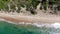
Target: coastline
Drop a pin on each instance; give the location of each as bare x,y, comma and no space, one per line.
30,19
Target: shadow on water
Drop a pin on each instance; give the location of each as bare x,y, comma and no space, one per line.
8,28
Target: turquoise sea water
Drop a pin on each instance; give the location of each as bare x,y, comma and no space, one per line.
8,28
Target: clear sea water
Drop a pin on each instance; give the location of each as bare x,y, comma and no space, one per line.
8,28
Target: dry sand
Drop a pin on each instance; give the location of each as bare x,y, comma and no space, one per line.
30,19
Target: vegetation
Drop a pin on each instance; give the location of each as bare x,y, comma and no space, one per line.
15,5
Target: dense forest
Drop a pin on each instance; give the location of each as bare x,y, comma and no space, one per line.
31,5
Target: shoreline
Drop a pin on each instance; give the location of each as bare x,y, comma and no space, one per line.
30,19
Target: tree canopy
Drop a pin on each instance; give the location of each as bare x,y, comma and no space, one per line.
12,4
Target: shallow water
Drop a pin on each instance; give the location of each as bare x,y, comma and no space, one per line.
8,28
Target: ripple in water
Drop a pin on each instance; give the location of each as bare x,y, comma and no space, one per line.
35,28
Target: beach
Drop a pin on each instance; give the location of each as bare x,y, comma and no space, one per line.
21,24
30,19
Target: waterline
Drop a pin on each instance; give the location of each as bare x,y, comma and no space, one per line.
29,28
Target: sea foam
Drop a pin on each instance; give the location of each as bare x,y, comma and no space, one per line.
55,25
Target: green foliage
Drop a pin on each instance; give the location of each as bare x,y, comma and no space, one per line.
35,3
32,3
6,0
53,1
28,4
2,3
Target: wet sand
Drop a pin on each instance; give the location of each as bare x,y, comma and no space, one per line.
30,19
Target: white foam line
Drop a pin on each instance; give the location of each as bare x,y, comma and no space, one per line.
25,23
55,25
38,25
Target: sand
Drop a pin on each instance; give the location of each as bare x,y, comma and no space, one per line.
29,19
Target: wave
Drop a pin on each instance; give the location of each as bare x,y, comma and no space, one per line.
55,25
43,28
